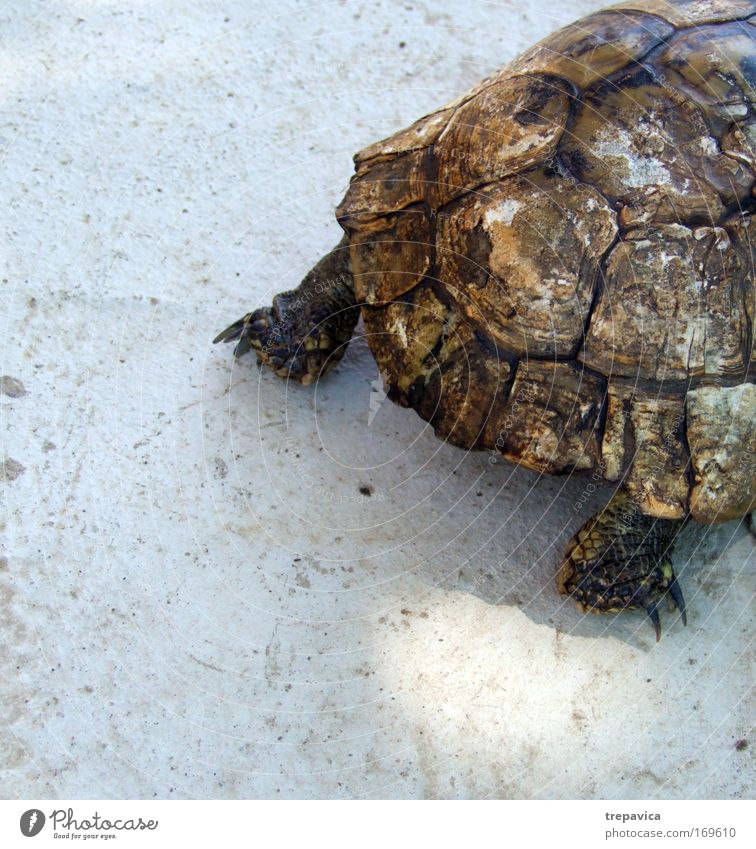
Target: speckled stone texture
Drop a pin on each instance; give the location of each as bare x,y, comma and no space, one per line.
215,584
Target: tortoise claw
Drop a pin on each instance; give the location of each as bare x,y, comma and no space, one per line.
677,597
653,615
242,346
233,331
257,331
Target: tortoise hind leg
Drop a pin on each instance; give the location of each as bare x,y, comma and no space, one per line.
306,330
619,560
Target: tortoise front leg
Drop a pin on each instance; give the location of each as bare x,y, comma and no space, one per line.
619,560
306,331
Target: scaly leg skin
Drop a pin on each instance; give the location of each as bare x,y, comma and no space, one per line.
306,331
619,560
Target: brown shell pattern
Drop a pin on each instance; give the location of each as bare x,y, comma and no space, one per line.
559,265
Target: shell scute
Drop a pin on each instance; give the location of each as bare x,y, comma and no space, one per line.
417,136
529,250
465,388
391,254
643,444
406,335
677,304
550,422
386,187
715,67
687,13
595,47
651,149
721,431
512,124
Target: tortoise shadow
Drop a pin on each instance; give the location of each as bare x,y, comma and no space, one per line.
536,532
488,528
464,521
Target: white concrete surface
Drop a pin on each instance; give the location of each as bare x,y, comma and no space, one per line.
197,600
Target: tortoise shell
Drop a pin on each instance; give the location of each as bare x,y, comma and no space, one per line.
559,267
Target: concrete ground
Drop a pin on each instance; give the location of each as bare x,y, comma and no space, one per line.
198,600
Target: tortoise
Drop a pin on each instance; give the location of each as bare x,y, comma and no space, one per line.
558,267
